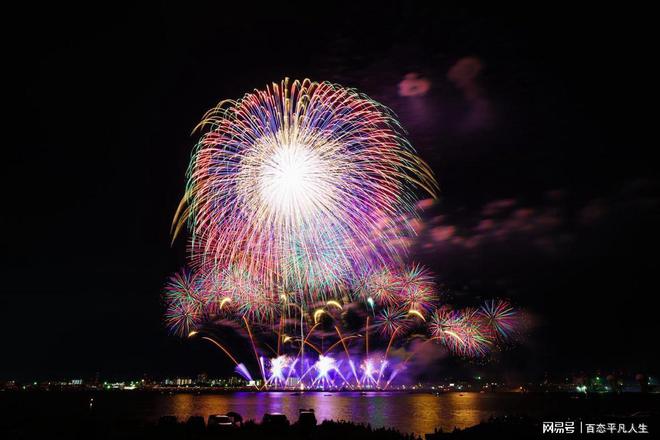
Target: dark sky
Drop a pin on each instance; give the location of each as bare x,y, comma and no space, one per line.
549,195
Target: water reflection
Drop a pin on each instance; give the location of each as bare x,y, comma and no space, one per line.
419,413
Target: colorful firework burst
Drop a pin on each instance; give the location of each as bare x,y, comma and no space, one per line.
390,320
382,285
476,335
184,306
447,327
248,297
418,290
297,171
501,316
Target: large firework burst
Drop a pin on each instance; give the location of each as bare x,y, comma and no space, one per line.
301,172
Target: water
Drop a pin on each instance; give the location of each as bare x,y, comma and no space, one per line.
418,413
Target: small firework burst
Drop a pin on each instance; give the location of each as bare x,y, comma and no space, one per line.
501,316
184,306
382,285
210,293
477,336
390,320
238,284
418,290
248,297
447,327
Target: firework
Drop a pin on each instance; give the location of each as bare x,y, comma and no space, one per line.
390,320
295,184
247,296
323,366
278,370
215,299
476,335
418,292
381,285
464,332
501,316
301,203
447,326
184,306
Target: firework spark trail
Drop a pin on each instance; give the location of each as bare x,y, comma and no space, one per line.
389,344
221,347
244,373
335,304
381,370
279,335
292,368
392,376
380,284
366,337
341,341
254,348
277,367
348,356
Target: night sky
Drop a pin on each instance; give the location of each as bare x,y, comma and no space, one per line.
549,195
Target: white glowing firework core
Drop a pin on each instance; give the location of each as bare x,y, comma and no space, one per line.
368,368
277,366
291,180
324,365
